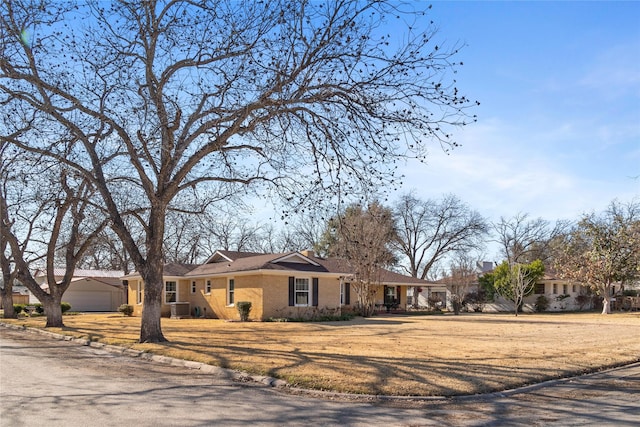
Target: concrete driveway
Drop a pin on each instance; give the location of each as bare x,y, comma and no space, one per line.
51,382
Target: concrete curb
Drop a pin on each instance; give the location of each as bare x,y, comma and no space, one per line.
228,374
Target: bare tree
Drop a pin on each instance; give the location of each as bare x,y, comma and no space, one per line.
462,275
428,231
183,235
234,233
7,266
285,239
524,240
603,250
154,99
363,238
8,274
55,218
106,253
299,232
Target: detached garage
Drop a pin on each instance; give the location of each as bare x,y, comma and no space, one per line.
91,290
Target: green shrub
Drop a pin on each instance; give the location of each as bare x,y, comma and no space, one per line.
126,310
39,309
630,293
65,306
476,300
542,304
244,308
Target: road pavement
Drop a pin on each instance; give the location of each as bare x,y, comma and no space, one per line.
44,381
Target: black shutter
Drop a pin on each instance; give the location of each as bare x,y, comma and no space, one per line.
384,296
125,284
315,291
347,293
398,294
292,292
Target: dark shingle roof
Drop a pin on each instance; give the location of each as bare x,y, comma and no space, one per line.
289,261
244,261
177,269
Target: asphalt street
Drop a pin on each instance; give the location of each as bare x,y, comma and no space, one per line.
45,381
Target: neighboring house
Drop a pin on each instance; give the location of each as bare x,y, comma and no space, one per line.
90,290
560,293
431,295
294,284
20,295
439,295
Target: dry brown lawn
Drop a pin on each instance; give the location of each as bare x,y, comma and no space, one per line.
404,355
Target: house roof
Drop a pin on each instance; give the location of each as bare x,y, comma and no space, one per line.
60,272
177,269
337,265
75,279
228,262
288,261
222,256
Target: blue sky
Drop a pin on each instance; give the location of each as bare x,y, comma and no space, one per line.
558,131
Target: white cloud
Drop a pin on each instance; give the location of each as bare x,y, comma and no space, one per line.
502,169
614,72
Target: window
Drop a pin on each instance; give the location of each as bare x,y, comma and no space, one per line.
302,292
139,293
193,287
207,289
231,289
555,288
170,292
345,296
565,289
539,288
573,288
390,295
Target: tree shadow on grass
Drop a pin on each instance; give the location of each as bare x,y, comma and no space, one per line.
376,375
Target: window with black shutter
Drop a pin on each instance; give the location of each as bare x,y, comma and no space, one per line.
303,292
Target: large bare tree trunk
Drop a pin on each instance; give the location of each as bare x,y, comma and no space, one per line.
7,304
151,329
5,265
53,311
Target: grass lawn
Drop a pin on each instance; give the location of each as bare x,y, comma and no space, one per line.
404,355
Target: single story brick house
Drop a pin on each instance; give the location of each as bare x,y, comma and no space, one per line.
293,284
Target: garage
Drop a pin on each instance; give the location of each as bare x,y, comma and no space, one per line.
92,290
88,301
